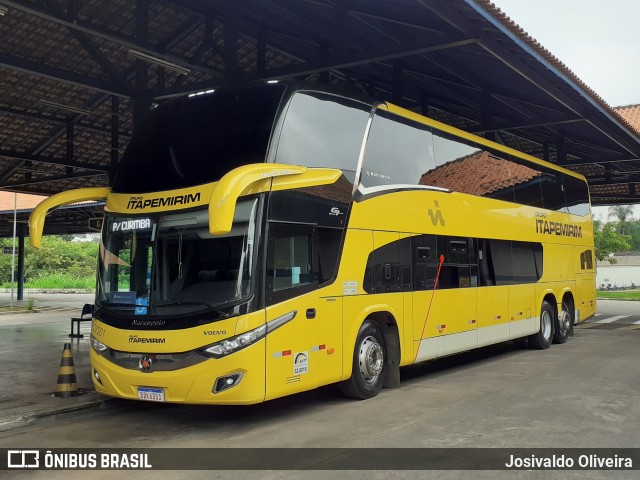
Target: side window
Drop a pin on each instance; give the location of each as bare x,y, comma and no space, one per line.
527,259
329,243
398,151
459,269
388,268
577,195
322,130
291,265
503,262
425,261
552,192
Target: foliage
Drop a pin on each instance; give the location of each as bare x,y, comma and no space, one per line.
607,241
624,214
632,295
57,258
634,232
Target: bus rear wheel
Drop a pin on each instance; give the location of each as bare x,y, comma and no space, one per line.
563,323
543,338
368,369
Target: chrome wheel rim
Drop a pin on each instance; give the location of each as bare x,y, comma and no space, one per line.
545,324
370,359
564,321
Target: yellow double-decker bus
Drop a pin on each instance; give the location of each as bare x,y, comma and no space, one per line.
268,240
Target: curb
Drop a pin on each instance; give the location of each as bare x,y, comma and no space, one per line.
20,420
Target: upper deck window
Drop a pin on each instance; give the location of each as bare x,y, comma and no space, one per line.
197,140
403,151
322,130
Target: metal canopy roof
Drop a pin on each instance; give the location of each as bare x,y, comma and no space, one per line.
76,76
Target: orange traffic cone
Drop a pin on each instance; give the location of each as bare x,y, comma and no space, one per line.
66,386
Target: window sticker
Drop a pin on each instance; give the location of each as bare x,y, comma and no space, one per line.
141,305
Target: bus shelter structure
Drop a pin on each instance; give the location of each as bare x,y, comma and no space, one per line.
78,76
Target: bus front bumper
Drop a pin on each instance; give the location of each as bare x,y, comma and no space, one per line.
244,370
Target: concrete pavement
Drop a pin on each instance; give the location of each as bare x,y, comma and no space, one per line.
31,345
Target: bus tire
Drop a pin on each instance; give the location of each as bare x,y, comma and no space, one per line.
368,369
542,339
563,323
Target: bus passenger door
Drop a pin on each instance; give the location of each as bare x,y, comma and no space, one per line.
304,351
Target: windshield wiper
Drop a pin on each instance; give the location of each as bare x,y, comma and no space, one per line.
216,310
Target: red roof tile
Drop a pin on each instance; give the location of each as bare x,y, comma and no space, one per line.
480,173
25,201
631,113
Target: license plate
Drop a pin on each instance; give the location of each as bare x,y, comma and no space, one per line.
151,394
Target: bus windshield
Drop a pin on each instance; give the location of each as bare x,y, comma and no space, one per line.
171,265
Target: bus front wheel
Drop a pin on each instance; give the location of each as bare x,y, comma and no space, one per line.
543,338
368,369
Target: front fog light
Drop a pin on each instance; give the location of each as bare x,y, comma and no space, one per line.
226,382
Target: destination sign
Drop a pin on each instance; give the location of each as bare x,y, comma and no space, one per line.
131,224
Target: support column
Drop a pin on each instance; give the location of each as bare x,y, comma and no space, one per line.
20,262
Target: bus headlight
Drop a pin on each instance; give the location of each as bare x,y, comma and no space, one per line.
97,345
233,344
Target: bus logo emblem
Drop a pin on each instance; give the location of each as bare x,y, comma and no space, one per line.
436,217
145,363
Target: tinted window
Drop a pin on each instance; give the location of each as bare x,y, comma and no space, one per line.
503,262
388,268
322,130
577,195
291,265
398,151
527,266
425,261
197,140
553,192
500,254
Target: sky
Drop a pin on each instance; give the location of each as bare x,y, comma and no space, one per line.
596,39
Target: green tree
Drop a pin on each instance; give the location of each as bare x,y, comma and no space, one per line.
634,232
607,240
56,256
624,214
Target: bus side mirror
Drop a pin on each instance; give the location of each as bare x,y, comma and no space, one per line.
36,219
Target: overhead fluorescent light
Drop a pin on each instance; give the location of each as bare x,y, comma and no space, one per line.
62,106
160,61
273,81
203,92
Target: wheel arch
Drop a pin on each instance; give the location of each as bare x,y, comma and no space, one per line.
569,298
384,317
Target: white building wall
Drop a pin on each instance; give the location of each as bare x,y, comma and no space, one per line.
618,275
